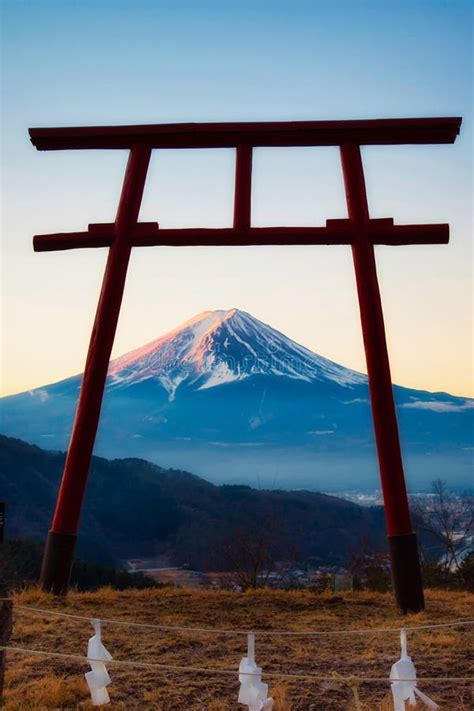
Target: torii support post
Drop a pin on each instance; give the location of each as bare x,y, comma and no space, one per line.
406,572
58,556
359,231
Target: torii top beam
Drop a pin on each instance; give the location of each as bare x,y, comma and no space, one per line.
229,135
244,137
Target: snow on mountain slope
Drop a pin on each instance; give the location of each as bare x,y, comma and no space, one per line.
218,347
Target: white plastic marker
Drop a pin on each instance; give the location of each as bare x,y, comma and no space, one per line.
253,692
98,678
403,680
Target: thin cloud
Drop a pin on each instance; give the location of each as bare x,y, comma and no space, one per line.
41,394
439,406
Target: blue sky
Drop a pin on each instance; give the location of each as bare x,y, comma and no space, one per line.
99,62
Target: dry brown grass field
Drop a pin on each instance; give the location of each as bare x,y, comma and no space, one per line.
34,682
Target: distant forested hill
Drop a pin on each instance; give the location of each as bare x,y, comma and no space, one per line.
137,509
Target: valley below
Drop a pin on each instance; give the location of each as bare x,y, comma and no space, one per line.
137,510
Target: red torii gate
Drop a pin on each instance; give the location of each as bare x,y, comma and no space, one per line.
359,231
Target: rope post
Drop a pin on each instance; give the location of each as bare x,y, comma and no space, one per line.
353,683
6,611
6,622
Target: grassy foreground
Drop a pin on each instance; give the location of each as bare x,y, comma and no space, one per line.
39,683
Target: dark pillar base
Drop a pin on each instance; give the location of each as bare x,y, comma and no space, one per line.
406,573
57,562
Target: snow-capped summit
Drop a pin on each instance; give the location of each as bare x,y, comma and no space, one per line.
218,347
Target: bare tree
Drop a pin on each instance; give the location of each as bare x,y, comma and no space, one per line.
449,519
369,566
249,555
255,552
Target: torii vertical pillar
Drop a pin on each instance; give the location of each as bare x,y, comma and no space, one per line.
406,572
58,555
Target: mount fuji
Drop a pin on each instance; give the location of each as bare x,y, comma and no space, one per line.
236,401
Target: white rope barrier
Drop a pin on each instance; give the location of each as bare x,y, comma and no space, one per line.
237,631
229,672
253,692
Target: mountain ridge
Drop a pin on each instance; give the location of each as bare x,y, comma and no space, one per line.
236,401
135,509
